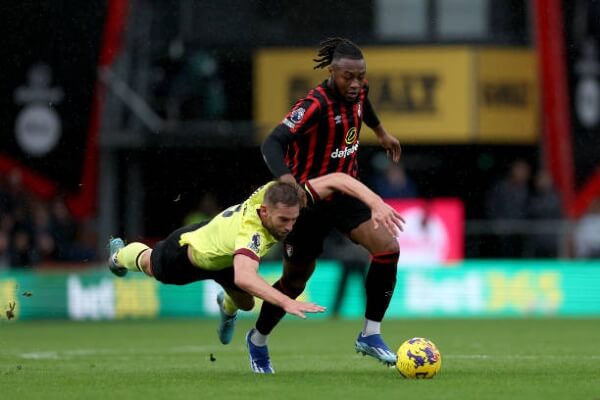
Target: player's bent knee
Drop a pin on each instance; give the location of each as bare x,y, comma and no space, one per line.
245,304
146,262
292,288
296,283
392,246
387,246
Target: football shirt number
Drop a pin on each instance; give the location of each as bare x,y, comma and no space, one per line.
233,209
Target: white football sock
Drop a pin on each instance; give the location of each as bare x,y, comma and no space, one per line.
371,328
258,339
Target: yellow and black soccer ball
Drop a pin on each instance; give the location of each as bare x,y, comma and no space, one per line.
418,358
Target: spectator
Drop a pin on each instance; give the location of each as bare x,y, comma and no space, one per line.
586,235
64,231
508,200
22,252
4,250
545,205
13,194
44,246
393,182
206,209
34,231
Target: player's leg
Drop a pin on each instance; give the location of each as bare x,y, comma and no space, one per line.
354,218
380,284
235,299
230,300
301,249
292,283
168,262
126,258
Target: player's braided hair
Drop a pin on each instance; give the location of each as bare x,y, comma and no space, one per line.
334,48
282,192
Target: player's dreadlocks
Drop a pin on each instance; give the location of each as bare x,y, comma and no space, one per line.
334,48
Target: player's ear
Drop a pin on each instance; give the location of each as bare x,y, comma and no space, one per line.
263,211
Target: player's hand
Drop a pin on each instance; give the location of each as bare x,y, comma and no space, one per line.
300,308
391,146
383,214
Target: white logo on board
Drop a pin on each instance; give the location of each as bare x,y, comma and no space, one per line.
587,89
38,127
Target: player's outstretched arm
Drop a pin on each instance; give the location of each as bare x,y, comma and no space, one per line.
246,278
381,213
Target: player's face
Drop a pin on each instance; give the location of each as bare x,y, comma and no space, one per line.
279,219
348,77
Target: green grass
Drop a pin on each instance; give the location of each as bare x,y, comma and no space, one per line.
482,359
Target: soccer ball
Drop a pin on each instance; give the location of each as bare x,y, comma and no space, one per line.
418,358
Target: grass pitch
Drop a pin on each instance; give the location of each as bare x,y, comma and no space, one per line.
171,359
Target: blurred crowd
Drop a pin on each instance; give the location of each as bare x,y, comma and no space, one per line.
523,210
522,196
36,232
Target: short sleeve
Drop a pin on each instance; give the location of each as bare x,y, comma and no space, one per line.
249,242
369,115
302,116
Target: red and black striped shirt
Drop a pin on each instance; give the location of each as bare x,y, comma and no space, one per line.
320,135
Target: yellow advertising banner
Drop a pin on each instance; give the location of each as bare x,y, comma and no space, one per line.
422,95
507,96
419,94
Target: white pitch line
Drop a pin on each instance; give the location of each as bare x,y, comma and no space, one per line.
73,353
41,355
521,357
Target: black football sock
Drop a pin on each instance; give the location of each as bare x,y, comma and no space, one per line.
381,281
270,315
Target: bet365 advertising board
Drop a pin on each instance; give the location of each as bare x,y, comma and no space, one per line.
471,289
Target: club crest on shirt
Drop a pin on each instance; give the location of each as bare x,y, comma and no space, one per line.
254,244
358,110
289,123
297,115
351,136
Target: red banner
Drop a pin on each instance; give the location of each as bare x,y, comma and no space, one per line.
433,233
50,99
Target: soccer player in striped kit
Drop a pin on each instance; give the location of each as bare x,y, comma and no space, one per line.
321,135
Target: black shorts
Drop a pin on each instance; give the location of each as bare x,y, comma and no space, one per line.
305,242
171,265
